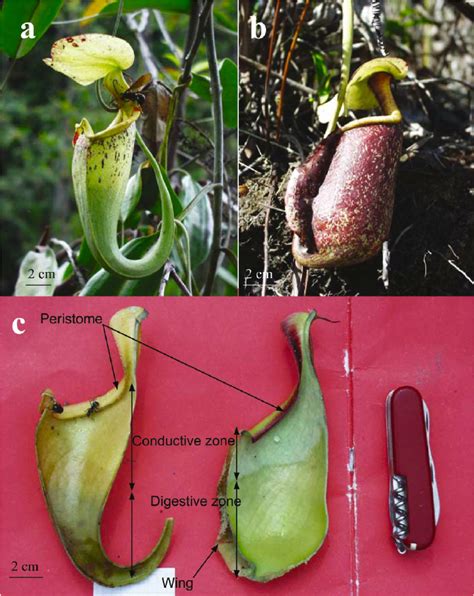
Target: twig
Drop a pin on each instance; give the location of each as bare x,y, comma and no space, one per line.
276,75
265,248
182,286
453,264
145,51
450,262
271,207
471,281
230,255
70,255
259,137
198,20
452,250
165,278
166,36
267,69
400,236
297,279
168,271
216,90
428,252
287,66
385,264
435,80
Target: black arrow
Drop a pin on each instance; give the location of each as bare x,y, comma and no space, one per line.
110,358
132,391
213,550
131,483
132,570
236,433
195,368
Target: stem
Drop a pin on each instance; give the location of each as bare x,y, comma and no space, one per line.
197,23
347,32
7,74
218,154
164,278
179,282
170,270
187,260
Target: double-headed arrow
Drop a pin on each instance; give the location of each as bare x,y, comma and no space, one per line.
236,489
131,483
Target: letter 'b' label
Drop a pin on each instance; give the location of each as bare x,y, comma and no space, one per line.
257,29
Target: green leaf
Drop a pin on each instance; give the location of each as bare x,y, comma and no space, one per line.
228,76
15,13
84,257
38,275
199,222
322,77
201,86
177,6
320,67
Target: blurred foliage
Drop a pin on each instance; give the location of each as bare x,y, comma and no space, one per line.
38,112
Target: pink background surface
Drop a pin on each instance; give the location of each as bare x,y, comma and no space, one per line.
387,342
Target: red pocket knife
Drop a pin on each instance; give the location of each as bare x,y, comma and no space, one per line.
413,493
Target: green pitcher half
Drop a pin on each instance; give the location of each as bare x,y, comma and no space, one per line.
278,470
79,449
